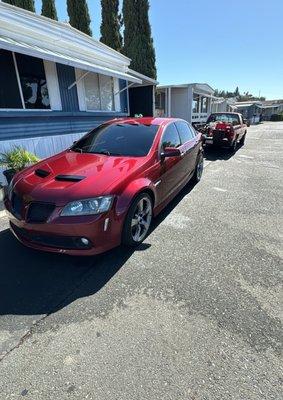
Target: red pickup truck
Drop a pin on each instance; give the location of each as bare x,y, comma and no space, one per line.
224,129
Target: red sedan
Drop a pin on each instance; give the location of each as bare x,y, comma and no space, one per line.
106,188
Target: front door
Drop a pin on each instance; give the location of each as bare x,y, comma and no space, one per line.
189,147
171,171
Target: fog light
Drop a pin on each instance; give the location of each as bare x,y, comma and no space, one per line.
85,241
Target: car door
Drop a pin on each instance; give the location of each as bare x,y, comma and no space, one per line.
189,147
171,174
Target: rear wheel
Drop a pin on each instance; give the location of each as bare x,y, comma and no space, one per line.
233,146
243,138
198,169
138,220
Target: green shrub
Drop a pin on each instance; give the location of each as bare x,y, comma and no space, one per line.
17,159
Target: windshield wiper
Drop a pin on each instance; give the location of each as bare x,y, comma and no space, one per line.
77,150
106,152
80,149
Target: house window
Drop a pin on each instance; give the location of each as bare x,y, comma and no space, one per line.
9,89
92,94
33,82
195,103
99,93
204,104
106,92
160,100
22,82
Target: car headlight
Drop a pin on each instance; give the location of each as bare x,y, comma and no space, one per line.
96,205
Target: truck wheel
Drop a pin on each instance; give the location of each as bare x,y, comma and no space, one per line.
233,146
243,138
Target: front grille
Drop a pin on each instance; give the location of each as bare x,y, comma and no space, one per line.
59,242
17,205
39,212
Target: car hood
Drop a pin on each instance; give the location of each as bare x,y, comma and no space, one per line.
69,176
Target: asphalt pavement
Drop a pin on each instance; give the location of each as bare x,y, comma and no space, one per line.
194,313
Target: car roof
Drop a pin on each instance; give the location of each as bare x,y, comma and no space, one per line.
226,112
144,120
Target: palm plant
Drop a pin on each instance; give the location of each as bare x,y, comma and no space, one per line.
15,160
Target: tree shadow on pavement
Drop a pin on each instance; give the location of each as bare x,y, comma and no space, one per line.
36,283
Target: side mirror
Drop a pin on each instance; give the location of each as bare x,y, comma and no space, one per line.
245,121
170,152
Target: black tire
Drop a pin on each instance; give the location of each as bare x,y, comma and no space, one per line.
242,140
233,146
127,234
198,169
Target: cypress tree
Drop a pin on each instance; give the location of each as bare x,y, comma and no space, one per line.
138,42
49,9
111,24
27,4
79,15
12,2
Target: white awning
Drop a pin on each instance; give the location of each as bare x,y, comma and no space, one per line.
46,54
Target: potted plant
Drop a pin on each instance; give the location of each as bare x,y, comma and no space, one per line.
15,160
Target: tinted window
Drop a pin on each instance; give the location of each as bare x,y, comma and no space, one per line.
170,137
33,82
225,117
9,90
185,132
118,139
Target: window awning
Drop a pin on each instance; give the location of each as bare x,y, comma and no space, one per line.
46,54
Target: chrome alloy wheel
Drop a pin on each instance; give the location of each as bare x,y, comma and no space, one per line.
141,219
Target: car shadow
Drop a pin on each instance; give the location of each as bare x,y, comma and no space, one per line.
36,283
212,153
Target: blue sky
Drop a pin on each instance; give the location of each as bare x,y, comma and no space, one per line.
225,44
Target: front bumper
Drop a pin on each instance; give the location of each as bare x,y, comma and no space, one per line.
63,235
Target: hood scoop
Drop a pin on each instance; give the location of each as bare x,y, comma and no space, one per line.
41,173
69,178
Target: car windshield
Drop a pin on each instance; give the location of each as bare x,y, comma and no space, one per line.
225,117
121,139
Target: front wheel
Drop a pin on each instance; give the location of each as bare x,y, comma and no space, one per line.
198,169
233,146
242,140
138,220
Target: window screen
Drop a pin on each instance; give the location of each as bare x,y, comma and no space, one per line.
106,92
99,92
92,94
9,89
